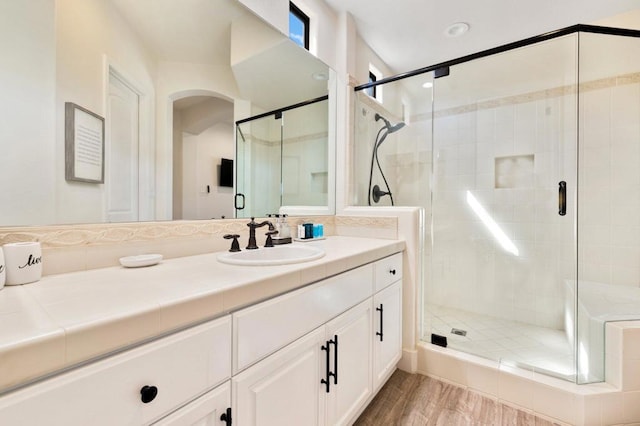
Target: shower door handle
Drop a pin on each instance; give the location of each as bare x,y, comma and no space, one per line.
237,206
562,198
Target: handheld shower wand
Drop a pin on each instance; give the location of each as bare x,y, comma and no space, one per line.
388,129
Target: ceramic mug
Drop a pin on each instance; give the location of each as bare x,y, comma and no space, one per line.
23,262
2,269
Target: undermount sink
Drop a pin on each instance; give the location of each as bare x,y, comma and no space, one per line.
279,255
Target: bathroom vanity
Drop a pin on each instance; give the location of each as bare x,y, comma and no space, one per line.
308,344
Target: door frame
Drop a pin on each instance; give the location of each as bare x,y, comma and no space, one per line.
146,147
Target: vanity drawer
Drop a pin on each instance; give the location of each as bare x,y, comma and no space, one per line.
109,392
388,271
266,327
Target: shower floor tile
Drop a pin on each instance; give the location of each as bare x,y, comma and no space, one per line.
510,342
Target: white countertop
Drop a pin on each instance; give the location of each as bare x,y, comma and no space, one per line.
67,319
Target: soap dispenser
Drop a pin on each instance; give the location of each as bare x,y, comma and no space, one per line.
284,227
284,233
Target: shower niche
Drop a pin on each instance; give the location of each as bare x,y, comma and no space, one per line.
526,161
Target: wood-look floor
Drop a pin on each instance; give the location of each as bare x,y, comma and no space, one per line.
413,400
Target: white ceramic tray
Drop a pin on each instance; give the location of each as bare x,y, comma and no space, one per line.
140,260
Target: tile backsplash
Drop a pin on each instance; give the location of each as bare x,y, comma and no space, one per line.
71,248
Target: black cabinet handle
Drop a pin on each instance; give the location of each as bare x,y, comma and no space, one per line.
328,373
148,394
392,271
334,342
226,417
381,310
562,198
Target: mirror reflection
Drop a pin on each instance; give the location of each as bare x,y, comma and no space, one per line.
282,160
170,78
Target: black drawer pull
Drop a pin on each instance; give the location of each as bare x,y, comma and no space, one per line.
381,310
335,359
392,271
326,381
148,394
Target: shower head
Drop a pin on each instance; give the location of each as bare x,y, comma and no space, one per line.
388,125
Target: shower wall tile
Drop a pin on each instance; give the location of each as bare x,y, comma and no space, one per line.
631,407
631,339
482,378
631,377
554,402
609,197
613,408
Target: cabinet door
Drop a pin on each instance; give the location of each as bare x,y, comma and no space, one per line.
135,387
204,411
387,332
353,331
284,388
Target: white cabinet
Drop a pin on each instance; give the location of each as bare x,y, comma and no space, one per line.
268,326
312,357
351,333
208,410
283,389
135,387
327,376
322,378
387,340
388,271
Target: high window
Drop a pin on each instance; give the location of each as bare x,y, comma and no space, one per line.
371,91
298,26
375,91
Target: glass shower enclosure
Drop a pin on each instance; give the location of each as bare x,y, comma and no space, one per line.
526,161
282,159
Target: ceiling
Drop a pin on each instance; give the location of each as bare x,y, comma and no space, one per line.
172,28
268,68
409,34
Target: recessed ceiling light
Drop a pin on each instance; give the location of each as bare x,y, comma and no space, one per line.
320,76
457,29
428,85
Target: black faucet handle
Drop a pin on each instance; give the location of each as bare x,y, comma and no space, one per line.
235,246
269,242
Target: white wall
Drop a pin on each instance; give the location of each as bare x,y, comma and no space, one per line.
200,165
177,175
275,12
324,24
27,124
177,80
87,33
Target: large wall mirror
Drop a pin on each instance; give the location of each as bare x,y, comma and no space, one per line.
171,79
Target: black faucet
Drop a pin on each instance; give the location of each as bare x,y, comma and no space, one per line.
252,232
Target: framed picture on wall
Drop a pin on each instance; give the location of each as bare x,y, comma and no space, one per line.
84,144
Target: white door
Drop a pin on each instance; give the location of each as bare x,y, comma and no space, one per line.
387,332
121,180
353,330
208,410
284,388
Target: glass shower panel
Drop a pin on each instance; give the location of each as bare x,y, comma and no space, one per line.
609,193
305,173
258,166
504,208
